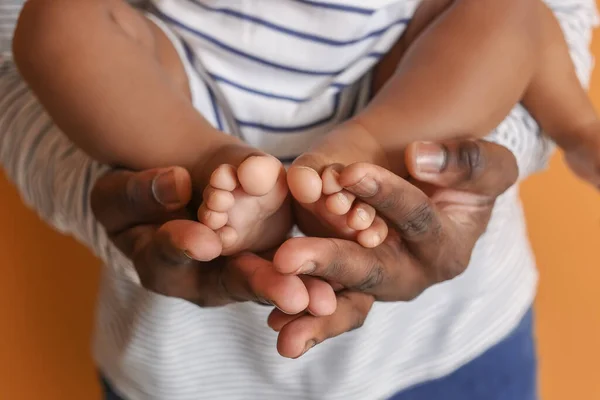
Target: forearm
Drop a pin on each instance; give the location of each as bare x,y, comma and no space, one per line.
106,86
461,76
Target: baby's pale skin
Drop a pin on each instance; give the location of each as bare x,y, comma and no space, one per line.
458,70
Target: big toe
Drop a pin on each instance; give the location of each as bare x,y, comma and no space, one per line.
258,174
304,179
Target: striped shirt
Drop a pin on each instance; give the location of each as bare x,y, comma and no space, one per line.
153,347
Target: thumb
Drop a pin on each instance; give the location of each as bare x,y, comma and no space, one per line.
476,166
121,198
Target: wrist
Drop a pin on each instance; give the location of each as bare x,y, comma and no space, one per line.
361,135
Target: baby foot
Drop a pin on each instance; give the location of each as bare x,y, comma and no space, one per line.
247,205
324,196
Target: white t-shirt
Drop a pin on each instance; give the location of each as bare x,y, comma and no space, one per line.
153,347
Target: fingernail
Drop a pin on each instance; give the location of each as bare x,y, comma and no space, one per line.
274,304
430,157
366,187
164,188
187,254
309,345
265,302
271,302
306,268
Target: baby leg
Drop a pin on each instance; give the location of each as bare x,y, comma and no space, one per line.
430,88
115,83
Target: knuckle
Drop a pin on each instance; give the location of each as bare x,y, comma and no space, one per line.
373,278
470,158
510,170
359,322
452,269
409,296
411,292
390,200
419,221
133,194
358,316
335,267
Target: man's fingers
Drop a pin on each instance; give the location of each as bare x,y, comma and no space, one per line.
322,300
410,211
278,319
388,271
183,239
249,277
335,260
301,334
182,260
476,166
165,261
121,199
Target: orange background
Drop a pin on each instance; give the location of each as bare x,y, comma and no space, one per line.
48,285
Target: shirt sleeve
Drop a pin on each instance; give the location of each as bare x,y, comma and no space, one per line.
53,177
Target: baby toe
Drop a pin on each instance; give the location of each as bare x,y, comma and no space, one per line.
361,216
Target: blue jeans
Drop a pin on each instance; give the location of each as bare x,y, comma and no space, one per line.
507,371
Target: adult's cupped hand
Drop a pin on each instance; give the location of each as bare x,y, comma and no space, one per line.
435,220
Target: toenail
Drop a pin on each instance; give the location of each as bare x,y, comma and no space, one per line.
376,239
305,168
343,199
306,268
362,214
366,187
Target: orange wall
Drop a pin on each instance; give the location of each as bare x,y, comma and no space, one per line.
564,225
48,283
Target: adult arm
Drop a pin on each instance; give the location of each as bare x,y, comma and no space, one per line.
52,175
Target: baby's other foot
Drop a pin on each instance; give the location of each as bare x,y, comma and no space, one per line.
322,195
247,204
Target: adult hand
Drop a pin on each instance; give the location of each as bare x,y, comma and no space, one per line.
434,224
145,216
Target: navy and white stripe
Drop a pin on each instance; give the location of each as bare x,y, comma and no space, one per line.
300,60
151,347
